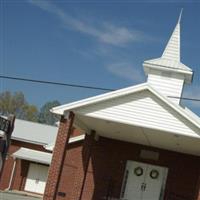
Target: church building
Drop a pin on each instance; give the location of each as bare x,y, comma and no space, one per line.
140,143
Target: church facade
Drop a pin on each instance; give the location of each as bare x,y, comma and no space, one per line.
140,142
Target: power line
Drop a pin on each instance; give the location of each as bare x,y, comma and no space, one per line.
185,98
78,86
55,83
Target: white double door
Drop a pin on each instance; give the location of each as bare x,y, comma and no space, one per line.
36,179
143,181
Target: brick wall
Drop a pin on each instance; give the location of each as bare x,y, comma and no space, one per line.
59,154
21,166
20,175
94,172
73,163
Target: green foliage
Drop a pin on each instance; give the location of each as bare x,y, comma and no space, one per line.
45,116
16,104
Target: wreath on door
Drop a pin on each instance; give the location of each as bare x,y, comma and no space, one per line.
154,174
138,171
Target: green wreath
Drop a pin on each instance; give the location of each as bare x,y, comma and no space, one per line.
138,171
154,174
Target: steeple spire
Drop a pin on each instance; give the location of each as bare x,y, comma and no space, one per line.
170,59
179,19
167,73
172,50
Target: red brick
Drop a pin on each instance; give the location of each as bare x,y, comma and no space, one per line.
90,168
18,180
55,170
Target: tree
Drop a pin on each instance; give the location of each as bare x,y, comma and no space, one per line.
45,116
16,104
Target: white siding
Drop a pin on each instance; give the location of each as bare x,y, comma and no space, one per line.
172,50
168,86
141,109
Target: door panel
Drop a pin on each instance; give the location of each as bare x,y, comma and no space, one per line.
134,182
147,185
153,184
30,181
36,179
42,177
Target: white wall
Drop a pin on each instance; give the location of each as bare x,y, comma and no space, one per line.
167,84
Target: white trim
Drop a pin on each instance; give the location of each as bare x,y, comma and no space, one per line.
76,139
150,64
50,147
63,109
122,92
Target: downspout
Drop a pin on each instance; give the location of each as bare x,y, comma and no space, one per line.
12,175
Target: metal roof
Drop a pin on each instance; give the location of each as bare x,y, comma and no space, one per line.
32,132
172,50
170,58
33,155
163,62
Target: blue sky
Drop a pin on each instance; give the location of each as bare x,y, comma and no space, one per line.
95,43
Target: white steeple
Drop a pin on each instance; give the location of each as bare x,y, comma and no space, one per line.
167,74
172,50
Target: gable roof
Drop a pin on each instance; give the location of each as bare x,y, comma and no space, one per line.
64,109
60,110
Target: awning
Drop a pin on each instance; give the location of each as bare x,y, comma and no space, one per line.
33,155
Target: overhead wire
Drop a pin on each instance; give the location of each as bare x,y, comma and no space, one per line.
77,85
55,83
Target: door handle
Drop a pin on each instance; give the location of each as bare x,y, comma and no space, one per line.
143,186
37,180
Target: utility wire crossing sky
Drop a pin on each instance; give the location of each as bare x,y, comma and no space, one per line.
98,43
77,86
